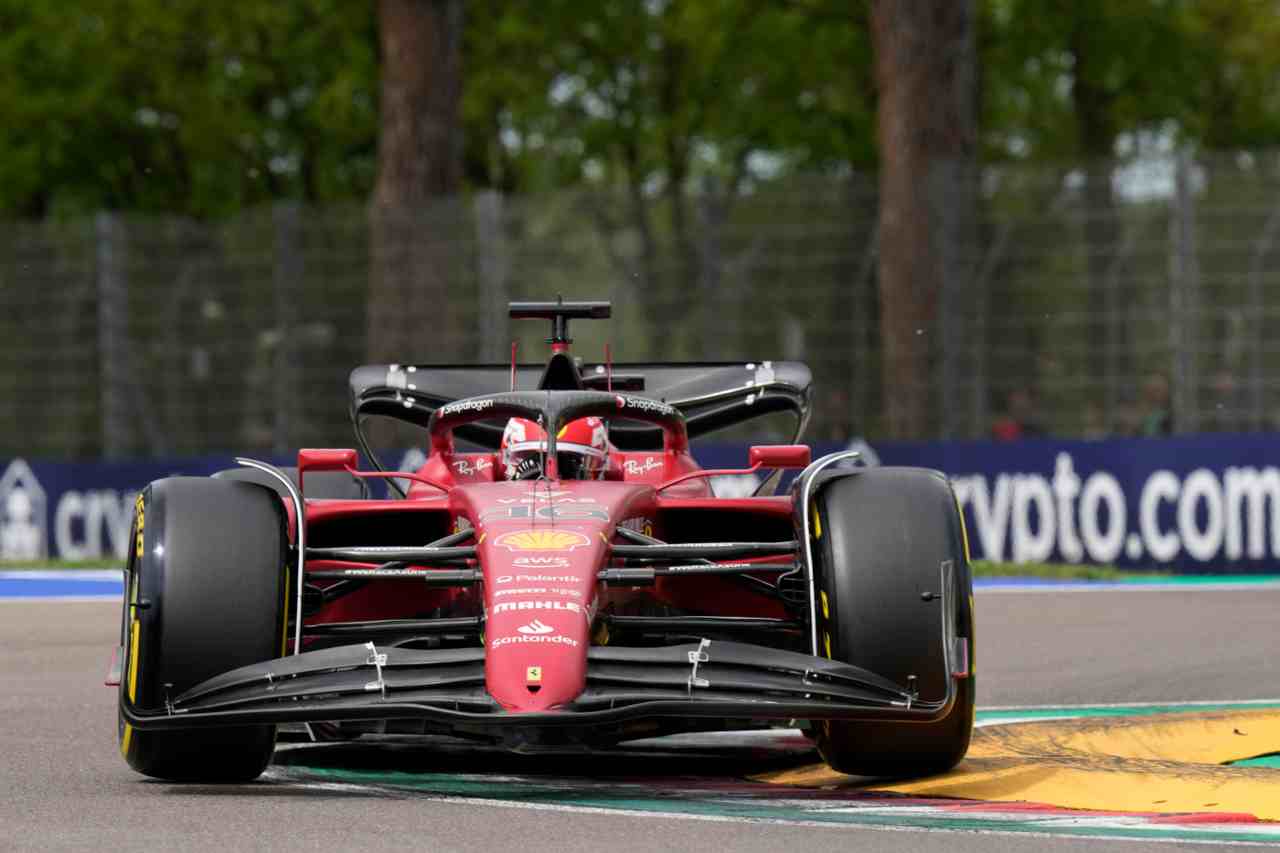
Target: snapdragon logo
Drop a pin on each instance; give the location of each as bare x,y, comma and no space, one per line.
1207,515
472,405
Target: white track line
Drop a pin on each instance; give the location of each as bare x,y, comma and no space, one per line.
279,777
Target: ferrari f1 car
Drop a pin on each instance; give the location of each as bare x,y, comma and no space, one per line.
558,575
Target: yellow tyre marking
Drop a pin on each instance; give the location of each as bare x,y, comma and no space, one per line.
139,510
127,738
135,625
826,611
817,521
826,640
964,531
134,631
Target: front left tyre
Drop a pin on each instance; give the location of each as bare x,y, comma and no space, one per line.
206,591
884,541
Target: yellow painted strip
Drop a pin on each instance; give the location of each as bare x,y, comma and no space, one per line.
1201,739
1166,763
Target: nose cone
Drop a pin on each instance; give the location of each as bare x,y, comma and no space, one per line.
539,602
541,546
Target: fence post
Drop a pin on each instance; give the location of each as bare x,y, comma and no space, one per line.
1183,286
286,274
1256,311
979,406
864,377
113,334
494,268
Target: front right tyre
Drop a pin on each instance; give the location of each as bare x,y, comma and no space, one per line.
206,591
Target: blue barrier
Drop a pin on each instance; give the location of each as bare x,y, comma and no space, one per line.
1203,504
1199,504
79,510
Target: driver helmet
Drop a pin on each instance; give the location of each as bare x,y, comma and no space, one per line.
581,449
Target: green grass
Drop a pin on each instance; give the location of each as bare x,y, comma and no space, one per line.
1057,571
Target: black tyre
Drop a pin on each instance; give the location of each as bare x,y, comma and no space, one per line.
206,592
320,484
880,538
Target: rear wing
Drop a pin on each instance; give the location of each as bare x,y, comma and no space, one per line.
710,395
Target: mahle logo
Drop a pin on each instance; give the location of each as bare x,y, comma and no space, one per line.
509,606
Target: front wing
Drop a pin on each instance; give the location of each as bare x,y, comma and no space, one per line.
693,681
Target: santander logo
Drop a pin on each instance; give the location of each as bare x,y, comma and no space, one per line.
535,627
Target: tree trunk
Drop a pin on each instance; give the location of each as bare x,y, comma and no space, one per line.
925,73
414,309
1093,106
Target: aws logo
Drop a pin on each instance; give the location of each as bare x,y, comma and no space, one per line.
541,562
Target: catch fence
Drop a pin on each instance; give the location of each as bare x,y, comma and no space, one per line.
1085,293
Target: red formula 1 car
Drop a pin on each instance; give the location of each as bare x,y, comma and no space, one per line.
572,581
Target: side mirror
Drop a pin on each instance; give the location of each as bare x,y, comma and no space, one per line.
324,459
779,456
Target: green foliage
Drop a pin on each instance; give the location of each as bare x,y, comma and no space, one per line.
204,108
664,91
181,105
1070,79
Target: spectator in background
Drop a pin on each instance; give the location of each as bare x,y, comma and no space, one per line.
1155,417
1228,408
1019,420
1095,422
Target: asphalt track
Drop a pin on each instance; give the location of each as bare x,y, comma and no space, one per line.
65,787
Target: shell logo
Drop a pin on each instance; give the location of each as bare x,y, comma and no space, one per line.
542,540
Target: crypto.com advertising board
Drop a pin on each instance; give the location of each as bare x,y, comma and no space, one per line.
1197,504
